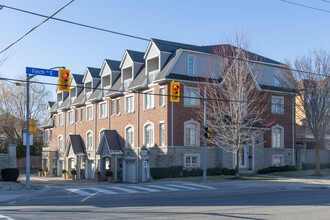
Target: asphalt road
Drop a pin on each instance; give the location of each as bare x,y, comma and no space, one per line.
230,200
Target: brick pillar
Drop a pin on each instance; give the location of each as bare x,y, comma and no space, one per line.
12,156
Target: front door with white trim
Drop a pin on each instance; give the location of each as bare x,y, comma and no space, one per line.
243,157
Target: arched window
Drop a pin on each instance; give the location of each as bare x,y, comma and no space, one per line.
191,133
129,137
101,134
89,141
277,137
60,143
149,135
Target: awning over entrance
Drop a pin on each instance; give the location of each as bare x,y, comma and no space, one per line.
109,144
75,146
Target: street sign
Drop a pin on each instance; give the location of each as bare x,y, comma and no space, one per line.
144,153
30,139
42,72
24,131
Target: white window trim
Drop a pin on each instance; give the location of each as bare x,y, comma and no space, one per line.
60,124
164,97
282,156
197,132
106,110
46,136
194,64
113,109
118,113
162,123
82,118
185,91
71,111
153,133
89,106
89,131
58,143
100,134
198,160
126,97
144,99
129,126
282,136
277,97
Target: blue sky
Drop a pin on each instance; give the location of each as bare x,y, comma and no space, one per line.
278,30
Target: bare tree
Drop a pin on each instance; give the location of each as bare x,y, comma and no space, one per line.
234,106
13,108
313,104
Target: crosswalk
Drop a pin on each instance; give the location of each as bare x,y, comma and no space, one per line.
145,188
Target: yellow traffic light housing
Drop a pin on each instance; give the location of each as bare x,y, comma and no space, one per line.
207,132
32,126
64,80
175,92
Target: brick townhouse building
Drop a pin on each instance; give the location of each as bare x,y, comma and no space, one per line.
119,117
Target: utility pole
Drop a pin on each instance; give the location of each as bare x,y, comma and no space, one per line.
27,132
205,142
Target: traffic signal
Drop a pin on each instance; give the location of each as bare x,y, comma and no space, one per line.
207,132
175,92
32,126
64,80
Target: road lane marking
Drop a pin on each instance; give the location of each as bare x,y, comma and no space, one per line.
145,189
198,185
164,187
5,217
184,187
80,192
123,189
102,190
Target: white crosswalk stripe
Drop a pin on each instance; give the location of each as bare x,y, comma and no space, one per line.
80,192
102,190
144,188
199,185
184,187
164,188
123,189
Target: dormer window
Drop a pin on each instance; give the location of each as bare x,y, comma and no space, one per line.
152,68
105,81
276,78
191,65
88,87
59,97
73,93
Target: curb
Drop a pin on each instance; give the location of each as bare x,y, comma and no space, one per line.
23,198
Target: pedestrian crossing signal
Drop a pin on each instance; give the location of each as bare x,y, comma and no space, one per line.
175,92
207,132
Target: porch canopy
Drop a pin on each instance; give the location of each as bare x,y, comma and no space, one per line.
109,144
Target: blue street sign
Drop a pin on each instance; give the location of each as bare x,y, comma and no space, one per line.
24,131
42,72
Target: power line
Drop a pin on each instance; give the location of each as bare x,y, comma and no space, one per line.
164,43
34,27
326,1
306,6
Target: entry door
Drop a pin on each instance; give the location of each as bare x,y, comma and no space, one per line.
243,158
130,171
60,167
90,167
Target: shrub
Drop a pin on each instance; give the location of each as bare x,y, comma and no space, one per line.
175,171
159,172
274,169
308,166
39,169
10,174
195,172
64,171
226,171
74,172
214,171
46,169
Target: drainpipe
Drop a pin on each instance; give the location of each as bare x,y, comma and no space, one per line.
293,135
138,137
96,135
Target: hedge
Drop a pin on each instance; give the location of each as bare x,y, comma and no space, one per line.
214,171
10,174
159,173
175,171
274,169
308,166
226,171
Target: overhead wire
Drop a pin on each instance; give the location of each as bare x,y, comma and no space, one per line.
306,6
280,66
35,27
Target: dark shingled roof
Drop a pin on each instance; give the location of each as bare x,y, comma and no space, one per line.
97,93
136,56
48,122
113,64
112,138
54,107
191,78
78,78
94,72
77,144
51,104
278,89
65,104
114,90
80,100
140,80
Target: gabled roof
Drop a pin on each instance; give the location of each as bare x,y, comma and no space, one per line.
65,103
136,56
115,88
80,100
94,72
48,122
50,104
110,139
77,145
78,78
170,46
97,93
54,107
113,64
140,80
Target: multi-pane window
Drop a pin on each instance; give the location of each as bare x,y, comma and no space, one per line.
148,100
161,97
89,113
277,160
191,134
193,94
112,108
149,135
162,134
191,63
277,105
70,117
277,137
129,104
81,114
89,141
103,110
60,119
129,137
60,143
191,161
46,136
76,115
50,135
55,121
118,106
